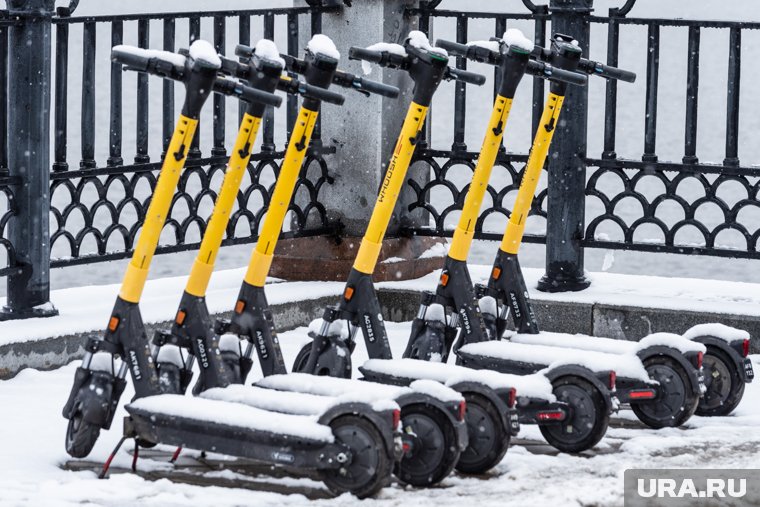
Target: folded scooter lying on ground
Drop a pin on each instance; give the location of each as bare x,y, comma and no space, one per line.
351,443
432,415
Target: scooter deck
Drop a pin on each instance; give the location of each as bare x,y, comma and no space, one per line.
253,424
369,391
292,402
521,358
607,345
534,392
427,392
531,386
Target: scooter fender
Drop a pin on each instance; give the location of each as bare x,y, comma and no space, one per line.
99,397
587,375
428,341
381,419
499,398
450,413
736,358
676,355
333,360
81,376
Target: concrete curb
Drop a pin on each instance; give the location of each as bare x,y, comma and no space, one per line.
599,319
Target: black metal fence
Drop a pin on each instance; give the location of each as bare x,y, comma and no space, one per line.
628,208
97,205
98,196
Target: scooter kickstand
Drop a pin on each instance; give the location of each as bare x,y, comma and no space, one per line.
104,471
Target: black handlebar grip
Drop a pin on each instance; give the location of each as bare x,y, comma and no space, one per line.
321,94
378,88
465,76
246,93
547,71
368,55
243,51
608,72
454,48
130,59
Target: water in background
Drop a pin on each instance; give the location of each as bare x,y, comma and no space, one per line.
711,135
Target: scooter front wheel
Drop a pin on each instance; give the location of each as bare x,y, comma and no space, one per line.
169,378
80,436
432,452
675,403
369,467
588,419
338,365
488,439
725,387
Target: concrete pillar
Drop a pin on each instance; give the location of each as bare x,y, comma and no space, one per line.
364,132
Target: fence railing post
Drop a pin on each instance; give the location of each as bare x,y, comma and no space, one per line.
28,148
567,167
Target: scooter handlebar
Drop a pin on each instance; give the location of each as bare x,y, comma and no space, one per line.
347,80
382,58
294,86
160,63
472,52
246,93
546,71
605,71
465,76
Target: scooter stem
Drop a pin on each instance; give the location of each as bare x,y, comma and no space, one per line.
155,218
369,250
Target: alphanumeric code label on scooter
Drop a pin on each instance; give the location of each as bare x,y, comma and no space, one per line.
262,344
202,356
748,371
368,328
136,372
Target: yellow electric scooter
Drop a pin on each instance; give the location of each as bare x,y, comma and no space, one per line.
98,384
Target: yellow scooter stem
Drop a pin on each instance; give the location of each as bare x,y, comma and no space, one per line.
513,234
463,234
203,266
369,251
261,258
155,218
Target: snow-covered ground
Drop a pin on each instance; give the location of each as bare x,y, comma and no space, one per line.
32,432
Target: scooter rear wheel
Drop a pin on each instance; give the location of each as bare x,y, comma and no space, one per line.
433,452
488,439
588,418
369,468
80,436
725,387
675,403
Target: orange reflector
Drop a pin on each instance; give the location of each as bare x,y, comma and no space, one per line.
239,306
180,318
113,324
496,273
348,293
444,279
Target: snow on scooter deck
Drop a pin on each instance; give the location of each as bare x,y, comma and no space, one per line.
293,402
608,345
553,357
531,386
251,420
369,391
